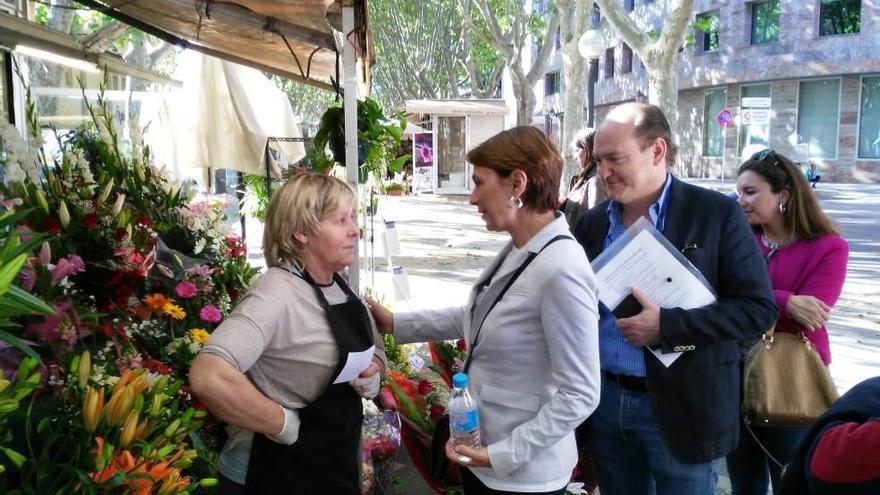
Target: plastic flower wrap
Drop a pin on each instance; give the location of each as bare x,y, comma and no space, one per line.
380,441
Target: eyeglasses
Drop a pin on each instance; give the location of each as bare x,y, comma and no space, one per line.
769,155
764,154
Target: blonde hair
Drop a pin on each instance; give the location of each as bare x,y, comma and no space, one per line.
301,204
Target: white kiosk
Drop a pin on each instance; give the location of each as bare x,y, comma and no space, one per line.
457,126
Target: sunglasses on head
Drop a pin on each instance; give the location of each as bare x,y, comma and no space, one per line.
764,154
769,155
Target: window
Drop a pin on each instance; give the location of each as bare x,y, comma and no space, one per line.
765,22
626,59
869,116
839,17
551,83
609,63
713,134
558,42
706,31
629,5
818,105
755,133
595,16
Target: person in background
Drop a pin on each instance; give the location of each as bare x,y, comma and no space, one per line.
660,429
841,452
533,363
806,259
584,189
273,368
812,175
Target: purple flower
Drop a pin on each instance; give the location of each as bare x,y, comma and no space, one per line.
210,314
186,289
203,271
45,254
27,278
65,267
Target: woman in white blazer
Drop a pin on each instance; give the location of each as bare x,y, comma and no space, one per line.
535,362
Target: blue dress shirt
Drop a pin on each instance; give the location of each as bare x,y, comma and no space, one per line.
615,354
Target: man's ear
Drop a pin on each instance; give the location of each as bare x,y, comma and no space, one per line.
659,148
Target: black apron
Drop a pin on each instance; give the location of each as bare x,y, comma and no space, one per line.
324,459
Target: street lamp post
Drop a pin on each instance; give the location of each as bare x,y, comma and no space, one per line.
591,45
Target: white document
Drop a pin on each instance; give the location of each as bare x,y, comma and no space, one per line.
657,270
354,364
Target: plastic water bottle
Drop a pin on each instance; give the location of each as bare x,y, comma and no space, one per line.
464,420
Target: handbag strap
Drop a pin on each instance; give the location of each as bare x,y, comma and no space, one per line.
769,455
516,274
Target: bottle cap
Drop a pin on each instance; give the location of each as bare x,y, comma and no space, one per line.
459,380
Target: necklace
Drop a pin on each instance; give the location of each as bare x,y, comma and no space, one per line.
770,244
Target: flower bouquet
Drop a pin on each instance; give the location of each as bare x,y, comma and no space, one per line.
111,280
380,441
420,393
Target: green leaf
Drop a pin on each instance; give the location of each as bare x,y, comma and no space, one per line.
24,302
17,343
397,164
9,270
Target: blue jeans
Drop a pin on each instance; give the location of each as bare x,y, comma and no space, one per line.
630,455
749,467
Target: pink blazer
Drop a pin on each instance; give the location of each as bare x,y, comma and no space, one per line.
814,267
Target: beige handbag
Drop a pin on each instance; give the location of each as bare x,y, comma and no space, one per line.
785,382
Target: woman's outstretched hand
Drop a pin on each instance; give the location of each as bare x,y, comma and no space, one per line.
384,318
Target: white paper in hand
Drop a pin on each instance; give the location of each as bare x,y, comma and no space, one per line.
354,364
643,258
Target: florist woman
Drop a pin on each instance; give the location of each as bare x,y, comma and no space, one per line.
534,361
274,368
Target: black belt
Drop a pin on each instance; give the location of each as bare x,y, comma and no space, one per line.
633,383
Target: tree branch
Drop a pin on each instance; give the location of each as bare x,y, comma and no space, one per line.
103,38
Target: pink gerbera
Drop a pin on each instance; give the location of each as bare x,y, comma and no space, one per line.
186,289
210,314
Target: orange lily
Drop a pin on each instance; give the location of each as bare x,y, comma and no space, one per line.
156,302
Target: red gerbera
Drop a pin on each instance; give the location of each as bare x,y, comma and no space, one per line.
91,221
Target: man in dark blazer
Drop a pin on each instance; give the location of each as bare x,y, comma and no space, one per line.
661,429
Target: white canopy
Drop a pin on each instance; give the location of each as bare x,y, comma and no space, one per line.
222,118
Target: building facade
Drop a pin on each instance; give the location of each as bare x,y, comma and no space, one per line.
799,76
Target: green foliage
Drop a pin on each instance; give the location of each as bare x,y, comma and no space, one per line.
378,139
256,198
15,302
11,394
765,22
707,27
840,17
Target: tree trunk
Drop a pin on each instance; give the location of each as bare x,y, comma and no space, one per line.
573,22
663,92
573,119
524,94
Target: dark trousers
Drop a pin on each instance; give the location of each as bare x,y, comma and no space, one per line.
229,487
749,467
473,486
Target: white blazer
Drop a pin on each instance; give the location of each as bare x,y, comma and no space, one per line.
535,372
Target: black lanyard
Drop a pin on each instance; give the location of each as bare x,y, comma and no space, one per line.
510,282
